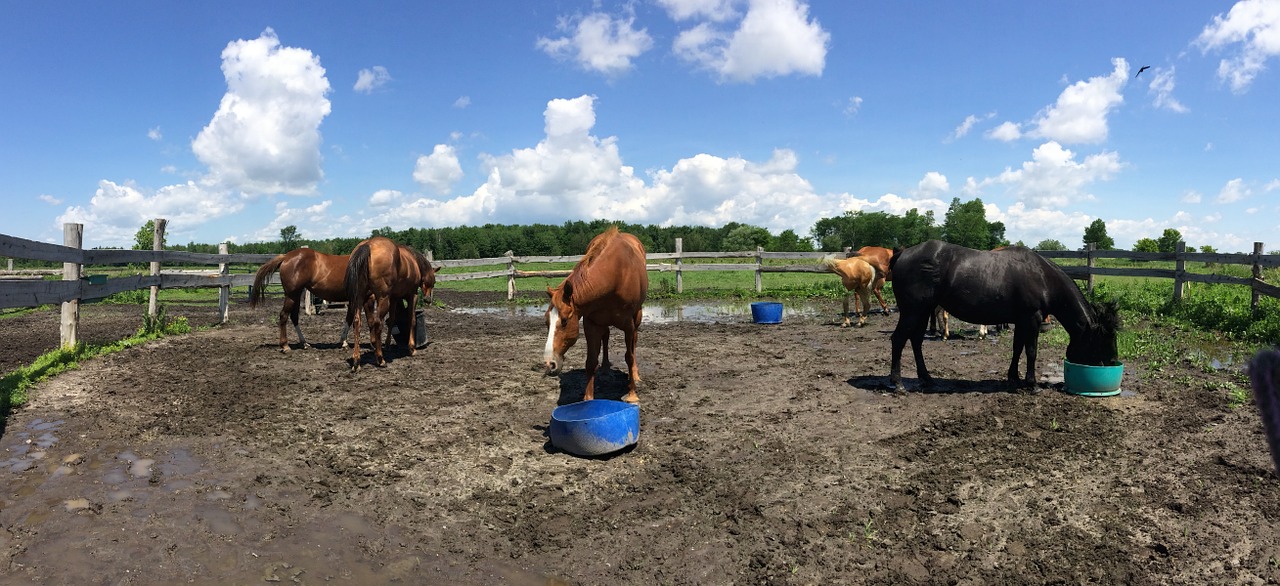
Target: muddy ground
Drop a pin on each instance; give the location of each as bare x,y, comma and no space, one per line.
769,454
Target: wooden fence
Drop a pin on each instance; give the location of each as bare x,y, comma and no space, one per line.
74,287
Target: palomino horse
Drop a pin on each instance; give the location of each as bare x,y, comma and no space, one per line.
1014,285
606,289
379,276
301,270
857,276
878,257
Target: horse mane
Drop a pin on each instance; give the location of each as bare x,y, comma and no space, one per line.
597,244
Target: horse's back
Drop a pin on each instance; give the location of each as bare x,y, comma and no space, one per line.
614,277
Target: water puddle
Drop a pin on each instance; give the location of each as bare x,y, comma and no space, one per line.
674,312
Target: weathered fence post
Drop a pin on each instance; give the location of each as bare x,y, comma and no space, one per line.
224,292
11,264
72,236
1088,264
1257,276
759,267
157,243
679,265
511,275
1179,270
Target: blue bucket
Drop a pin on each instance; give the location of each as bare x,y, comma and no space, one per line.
766,312
592,428
1091,381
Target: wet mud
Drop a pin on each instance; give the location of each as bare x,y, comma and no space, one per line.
768,454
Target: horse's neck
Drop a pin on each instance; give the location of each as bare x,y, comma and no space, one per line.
1075,314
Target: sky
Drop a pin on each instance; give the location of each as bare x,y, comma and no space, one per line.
233,120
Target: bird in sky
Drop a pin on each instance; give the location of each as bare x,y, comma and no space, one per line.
1140,70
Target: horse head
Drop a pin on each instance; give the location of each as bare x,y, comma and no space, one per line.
1097,344
562,326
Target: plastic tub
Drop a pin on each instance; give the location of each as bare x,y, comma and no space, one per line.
593,428
1092,381
766,312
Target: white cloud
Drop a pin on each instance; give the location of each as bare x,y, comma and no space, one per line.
1035,224
116,211
265,136
311,222
462,102
439,170
1161,87
968,124
1053,178
713,10
1254,25
1192,196
1273,185
933,183
368,80
385,197
49,199
1235,190
1080,113
853,105
599,43
774,38
155,134
1005,132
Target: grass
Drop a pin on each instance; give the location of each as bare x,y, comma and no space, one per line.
14,385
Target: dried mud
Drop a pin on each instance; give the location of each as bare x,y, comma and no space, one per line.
769,454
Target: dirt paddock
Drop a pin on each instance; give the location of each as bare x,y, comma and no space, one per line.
768,455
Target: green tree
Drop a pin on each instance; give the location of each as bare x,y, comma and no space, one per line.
1168,241
1146,245
966,224
1096,234
1050,244
789,241
744,237
289,237
145,238
916,228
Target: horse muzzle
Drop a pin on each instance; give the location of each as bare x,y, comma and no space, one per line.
553,365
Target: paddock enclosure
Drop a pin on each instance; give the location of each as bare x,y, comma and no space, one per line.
768,454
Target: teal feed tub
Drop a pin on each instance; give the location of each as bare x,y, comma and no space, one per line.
1092,381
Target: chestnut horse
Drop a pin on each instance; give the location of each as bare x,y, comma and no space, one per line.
301,270
1014,285
857,276
878,257
606,289
381,274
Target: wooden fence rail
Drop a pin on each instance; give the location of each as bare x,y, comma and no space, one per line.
73,288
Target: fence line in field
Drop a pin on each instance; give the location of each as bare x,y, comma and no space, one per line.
25,291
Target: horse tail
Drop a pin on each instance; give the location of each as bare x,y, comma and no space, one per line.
893,260
830,261
264,273
357,279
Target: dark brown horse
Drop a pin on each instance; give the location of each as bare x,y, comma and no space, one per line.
380,275
302,270
1014,285
878,257
606,289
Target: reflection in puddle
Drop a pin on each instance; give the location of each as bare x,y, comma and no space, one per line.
674,312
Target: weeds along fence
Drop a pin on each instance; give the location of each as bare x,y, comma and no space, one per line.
28,288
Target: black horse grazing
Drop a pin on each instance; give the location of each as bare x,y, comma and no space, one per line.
1011,285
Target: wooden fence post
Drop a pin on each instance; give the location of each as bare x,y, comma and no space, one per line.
1088,264
72,236
679,265
1257,276
1179,270
157,243
511,275
759,267
224,292
11,264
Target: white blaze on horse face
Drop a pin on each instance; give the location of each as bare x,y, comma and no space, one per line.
554,320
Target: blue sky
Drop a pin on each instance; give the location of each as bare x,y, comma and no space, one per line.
235,119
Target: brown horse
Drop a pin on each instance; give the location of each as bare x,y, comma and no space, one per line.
606,288
878,257
857,276
301,270
380,275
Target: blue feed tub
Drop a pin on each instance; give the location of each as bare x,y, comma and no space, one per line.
592,428
766,312
1091,381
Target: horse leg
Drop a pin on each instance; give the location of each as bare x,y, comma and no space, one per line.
911,327
289,308
865,297
878,288
631,335
593,356
1032,340
845,313
1024,338
381,307
412,302
604,350
353,321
